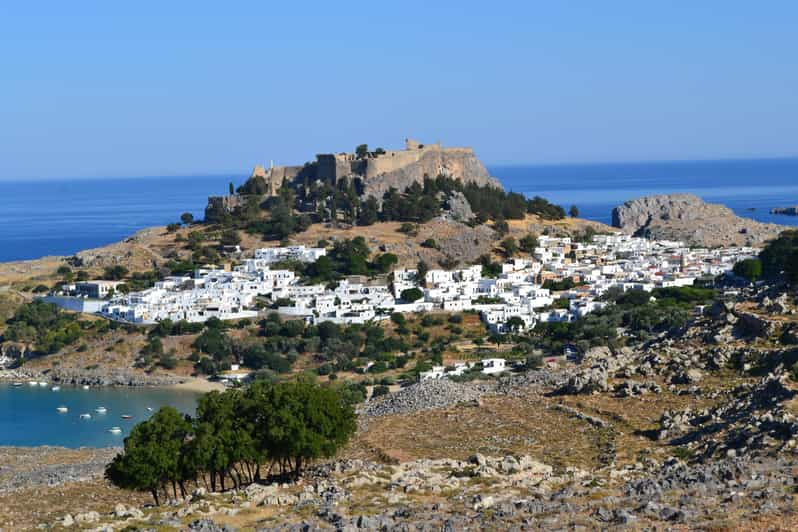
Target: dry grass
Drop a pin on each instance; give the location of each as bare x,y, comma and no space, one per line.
500,425
23,510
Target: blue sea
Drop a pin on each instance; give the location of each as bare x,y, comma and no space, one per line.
61,217
749,187
29,416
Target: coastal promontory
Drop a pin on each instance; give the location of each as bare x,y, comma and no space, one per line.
688,218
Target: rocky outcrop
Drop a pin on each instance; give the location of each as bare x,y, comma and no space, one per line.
458,207
789,211
95,377
688,218
425,395
459,163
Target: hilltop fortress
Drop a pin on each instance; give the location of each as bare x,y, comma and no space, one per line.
379,170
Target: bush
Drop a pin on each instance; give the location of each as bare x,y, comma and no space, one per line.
411,295
379,391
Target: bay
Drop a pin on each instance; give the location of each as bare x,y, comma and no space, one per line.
29,416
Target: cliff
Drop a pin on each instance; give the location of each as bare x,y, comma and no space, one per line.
400,169
688,218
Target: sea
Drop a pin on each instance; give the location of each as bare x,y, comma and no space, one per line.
29,415
61,217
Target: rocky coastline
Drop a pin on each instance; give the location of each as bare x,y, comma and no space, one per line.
23,468
97,377
787,211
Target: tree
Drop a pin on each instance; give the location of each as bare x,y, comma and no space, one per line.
362,151
115,273
528,243
411,295
385,262
509,246
750,269
515,324
295,422
369,212
151,456
186,218
573,212
421,272
230,237
500,226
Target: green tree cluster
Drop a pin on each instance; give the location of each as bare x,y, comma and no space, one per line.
284,426
780,257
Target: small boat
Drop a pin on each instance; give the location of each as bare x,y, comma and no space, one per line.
127,416
101,410
16,384
42,383
115,430
149,409
32,383
62,409
85,416
85,386
55,388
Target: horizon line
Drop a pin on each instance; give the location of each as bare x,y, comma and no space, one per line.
239,174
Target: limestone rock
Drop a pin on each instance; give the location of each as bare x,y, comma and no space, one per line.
688,218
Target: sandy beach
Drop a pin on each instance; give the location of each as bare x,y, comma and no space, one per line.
199,385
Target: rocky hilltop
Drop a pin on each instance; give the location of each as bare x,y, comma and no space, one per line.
378,170
399,169
689,218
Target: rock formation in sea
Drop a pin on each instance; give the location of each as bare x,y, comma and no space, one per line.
789,211
688,218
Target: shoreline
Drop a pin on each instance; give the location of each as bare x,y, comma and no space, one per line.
192,384
196,384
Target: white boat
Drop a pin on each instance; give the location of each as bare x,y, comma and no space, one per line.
85,416
101,410
115,430
85,386
32,383
149,409
42,383
55,388
16,384
62,409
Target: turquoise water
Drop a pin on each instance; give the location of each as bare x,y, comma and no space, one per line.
28,415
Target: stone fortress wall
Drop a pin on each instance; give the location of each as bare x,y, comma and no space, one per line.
379,172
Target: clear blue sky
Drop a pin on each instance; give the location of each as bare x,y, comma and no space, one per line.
169,87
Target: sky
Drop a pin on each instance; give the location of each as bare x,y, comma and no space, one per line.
105,89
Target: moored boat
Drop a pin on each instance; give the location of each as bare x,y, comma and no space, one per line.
115,430
16,384
55,388
127,416
42,383
62,409
85,416
101,410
